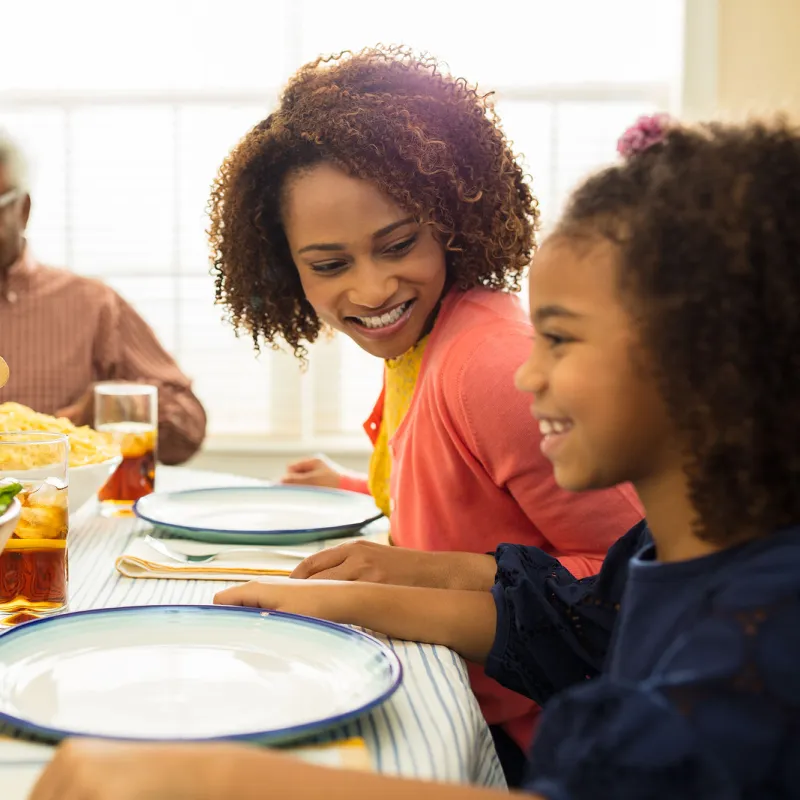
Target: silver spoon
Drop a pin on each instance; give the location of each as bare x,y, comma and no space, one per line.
204,558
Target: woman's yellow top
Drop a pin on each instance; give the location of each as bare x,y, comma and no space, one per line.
400,379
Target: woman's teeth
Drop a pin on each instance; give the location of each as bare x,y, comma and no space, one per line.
384,320
551,426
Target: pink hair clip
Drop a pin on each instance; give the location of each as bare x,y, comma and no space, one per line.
644,133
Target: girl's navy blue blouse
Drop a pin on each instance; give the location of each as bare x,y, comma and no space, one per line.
659,680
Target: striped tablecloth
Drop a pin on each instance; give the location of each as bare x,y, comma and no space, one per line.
431,728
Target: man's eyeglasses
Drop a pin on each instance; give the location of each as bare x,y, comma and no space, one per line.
7,198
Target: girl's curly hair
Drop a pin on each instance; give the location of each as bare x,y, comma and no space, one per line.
707,222
429,141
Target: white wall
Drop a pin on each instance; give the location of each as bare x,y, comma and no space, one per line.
742,58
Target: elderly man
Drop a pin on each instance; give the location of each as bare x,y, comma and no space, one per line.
61,333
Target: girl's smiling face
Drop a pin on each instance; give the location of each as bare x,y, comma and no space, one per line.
597,402
367,267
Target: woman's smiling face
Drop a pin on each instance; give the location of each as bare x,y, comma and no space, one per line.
368,268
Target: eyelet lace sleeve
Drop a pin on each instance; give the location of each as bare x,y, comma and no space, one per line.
553,630
718,720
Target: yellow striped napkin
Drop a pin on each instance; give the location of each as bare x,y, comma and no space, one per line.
140,561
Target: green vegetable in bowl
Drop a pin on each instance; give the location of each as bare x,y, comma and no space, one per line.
8,491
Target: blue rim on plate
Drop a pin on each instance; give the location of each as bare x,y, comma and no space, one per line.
141,510
270,736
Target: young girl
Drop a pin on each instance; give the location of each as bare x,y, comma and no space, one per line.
381,199
666,354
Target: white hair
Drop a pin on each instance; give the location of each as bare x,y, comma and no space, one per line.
12,157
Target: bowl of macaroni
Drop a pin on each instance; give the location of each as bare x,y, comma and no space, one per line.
93,455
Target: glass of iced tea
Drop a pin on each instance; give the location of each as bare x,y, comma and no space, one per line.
129,412
33,565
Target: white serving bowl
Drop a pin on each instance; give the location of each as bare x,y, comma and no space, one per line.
8,522
86,481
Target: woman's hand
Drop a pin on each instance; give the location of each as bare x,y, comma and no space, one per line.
377,563
318,471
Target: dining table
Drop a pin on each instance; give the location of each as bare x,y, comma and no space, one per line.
431,728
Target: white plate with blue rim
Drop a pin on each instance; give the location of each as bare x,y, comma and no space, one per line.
260,515
189,673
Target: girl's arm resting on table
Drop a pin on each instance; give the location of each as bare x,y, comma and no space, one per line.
363,560
85,768
461,620
295,780
468,571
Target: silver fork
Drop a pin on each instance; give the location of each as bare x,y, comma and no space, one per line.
186,558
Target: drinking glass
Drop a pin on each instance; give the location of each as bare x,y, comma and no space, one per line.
129,412
34,569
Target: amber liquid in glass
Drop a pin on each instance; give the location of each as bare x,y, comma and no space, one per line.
34,571
136,475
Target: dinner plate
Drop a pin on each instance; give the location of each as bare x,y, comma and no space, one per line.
259,514
189,673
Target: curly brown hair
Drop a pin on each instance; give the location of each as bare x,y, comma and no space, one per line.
431,142
708,227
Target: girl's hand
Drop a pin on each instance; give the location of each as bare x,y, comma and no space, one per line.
319,471
100,770
377,563
334,602
372,562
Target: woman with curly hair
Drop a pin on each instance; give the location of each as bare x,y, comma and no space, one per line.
382,200
666,311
